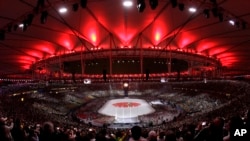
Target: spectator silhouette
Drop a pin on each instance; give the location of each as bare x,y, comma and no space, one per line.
214,132
17,132
161,136
5,130
170,136
47,132
152,136
136,132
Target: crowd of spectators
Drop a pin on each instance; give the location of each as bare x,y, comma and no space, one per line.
229,112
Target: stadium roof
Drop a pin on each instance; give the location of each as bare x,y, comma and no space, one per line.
32,30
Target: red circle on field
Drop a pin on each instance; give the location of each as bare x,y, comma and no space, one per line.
126,104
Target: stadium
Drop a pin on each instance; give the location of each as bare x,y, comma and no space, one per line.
84,70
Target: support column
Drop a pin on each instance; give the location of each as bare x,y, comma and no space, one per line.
141,60
110,64
190,68
60,67
82,63
170,61
110,58
46,70
33,71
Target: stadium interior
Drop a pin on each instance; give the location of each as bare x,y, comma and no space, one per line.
96,70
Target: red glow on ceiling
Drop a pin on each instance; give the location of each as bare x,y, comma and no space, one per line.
67,44
155,32
184,42
66,41
24,62
185,39
227,59
79,48
204,45
36,54
228,63
46,48
125,38
214,51
93,37
225,55
31,59
157,37
26,67
92,31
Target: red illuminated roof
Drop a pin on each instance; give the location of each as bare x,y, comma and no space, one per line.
107,24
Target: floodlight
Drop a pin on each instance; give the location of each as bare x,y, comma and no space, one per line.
141,5
153,4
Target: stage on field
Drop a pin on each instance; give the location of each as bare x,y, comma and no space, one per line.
126,110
